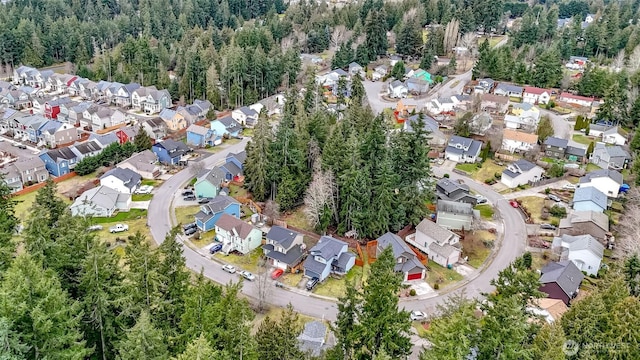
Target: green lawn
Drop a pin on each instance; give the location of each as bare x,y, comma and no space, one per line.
442,276
24,202
141,197
487,170
534,205
549,160
486,211
154,183
134,226
247,262
237,191
493,40
337,287
583,139
468,168
133,214
474,247
185,214
592,167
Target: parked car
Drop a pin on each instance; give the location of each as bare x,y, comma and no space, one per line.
312,283
119,228
569,186
191,231
144,189
247,275
229,268
215,248
95,227
204,200
417,315
187,192
277,273
554,198
547,226
514,204
189,198
189,226
481,199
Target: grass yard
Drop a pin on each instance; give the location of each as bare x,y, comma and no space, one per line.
486,211
247,132
442,276
298,219
468,168
454,84
473,246
141,197
534,205
131,215
275,313
185,214
487,170
134,226
493,40
24,203
291,279
247,262
540,259
336,288
592,167
549,160
154,183
237,191
583,139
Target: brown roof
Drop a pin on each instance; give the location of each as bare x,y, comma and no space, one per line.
230,223
520,136
555,307
495,98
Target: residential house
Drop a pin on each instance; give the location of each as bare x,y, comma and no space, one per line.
127,134
200,109
150,99
509,90
575,154
589,199
273,104
59,83
462,102
328,256
237,235
484,86
52,107
312,338
461,149
170,152
570,98
615,135
523,116
59,161
86,148
101,201
101,117
231,171
226,126
284,248
607,181
156,128
175,121
123,180
610,157
30,171
407,263
440,244
583,250
17,99
397,90
555,147
143,163
75,115
105,139
394,59
440,105
11,177
561,280
417,85
122,97
64,109
447,189
586,222
356,69
201,136
29,127
436,137
245,116
208,183
332,78
237,158
596,130
494,103
518,141
379,72
577,62
210,212
521,172
99,92
534,95
55,133
454,215
480,123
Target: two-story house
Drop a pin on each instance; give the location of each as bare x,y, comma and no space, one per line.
441,245
237,235
245,116
521,172
407,263
447,189
170,151
284,248
518,141
583,250
155,128
55,133
210,212
610,157
150,99
461,149
226,126
86,148
208,183
123,180
555,147
561,280
31,171
534,95
143,163
60,161
586,222
174,120
200,136
589,199
328,256
607,181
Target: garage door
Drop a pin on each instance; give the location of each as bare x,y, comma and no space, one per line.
416,276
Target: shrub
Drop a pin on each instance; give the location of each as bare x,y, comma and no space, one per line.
488,244
555,222
445,176
547,191
488,181
556,170
558,211
436,286
544,215
497,175
197,235
412,292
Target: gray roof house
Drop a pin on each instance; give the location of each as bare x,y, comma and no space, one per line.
454,215
447,189
101,201
328,256
436,137
589,199
555,147
461,149
407,263
607,181
504,89
586,222
284,248
561,280
122,180
610,157
312,338
440,244
143,163
521,172
583,250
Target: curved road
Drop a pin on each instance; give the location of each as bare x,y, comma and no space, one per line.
513,244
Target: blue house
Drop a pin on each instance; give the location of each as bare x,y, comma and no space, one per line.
209,213
231,171
201,136
238,159
32,126
328,256
589,199
170,151
60,161
226,125
208,183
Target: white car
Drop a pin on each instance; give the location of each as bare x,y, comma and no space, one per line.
417,315
569,186
119,228
247,275
229,268
144,189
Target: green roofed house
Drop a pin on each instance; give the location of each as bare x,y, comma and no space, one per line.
423,75
419,82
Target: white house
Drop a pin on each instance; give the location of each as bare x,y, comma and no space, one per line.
614,135
397,90
607,181
570,98
596,130
518,141
534,95
441,245
440,105
510,90
461,149
610,157
583,250
122,180
101,201
237,235
521,172
245,116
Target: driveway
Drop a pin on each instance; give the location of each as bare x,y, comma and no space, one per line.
562,128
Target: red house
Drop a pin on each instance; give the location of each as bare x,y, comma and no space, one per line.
561,280
52,107
126,134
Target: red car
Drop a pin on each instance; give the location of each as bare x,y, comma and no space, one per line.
514,204
277,273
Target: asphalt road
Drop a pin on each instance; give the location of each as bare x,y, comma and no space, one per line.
160,222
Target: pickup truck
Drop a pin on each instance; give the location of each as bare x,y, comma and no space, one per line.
119,228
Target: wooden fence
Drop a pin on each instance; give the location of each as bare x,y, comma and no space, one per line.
35,187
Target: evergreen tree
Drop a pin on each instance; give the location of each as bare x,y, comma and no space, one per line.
278,339
548,69
634,145
590,149
376,33
143,341
427,59
142,141
397,71
545,129
517,281
346,324
256,169
199,316
11,347
549,343
409,39
632,274
200,349
357,90
40,312
232,325
462,126
8,223
506,331
453,65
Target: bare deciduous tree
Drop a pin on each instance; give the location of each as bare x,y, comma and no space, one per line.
618,61
319,195
634,60
271,211
196,167
339,36
468,41
451,35
263,286
628,241
287,42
